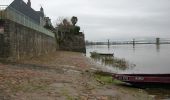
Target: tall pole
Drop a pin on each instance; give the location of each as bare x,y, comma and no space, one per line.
108,43
133,42
157,41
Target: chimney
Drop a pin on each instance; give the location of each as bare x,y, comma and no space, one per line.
41,9
29,3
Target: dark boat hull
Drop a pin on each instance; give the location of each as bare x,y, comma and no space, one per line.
102,54
144,79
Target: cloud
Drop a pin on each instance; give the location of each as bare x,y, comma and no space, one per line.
101,19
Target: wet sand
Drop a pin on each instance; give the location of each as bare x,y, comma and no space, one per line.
60,76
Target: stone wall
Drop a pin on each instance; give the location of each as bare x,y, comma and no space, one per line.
73,42
1,44
20,42
2,48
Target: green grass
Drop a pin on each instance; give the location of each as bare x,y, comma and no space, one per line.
111,61
106,79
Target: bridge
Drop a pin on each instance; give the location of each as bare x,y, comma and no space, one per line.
156,41
144,41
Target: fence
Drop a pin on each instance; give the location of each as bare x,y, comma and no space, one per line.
14,15
2,11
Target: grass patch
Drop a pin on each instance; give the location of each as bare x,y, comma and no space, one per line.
120,63
105,78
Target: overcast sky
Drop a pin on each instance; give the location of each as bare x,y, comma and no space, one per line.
112,19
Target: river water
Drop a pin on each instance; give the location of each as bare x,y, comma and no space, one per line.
143,58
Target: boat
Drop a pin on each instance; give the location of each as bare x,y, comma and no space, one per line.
106,54
102,54
144,79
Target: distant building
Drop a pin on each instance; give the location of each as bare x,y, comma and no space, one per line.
25,8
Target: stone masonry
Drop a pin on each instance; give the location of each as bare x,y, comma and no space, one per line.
73,42
20,42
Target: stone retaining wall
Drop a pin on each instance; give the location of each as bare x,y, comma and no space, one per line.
20,42
72,42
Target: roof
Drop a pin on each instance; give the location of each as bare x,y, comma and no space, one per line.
40,13
22,7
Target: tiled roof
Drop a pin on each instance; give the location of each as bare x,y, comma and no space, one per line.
22,7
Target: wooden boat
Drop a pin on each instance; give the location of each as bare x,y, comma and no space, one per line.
102,54
144,79
106,54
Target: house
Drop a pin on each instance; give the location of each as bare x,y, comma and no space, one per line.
25,8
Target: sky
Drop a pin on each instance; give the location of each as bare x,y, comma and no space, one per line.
111,19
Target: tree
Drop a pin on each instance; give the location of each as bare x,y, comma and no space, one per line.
59,21
74,20
66,23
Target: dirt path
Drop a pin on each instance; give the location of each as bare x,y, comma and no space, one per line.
60,76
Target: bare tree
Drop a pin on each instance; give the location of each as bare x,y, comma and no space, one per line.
61,21
66,23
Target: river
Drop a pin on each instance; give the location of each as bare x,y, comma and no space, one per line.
147,58
143,58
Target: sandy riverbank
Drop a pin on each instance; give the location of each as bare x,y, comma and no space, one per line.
60,76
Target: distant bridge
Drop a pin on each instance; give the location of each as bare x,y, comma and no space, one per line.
144,41
134,41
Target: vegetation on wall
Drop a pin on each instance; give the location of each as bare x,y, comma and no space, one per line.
64,25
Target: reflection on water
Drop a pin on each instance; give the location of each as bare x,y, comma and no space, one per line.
111,61
158,48
148,58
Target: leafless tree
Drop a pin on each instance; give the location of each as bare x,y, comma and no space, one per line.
61,21
66,22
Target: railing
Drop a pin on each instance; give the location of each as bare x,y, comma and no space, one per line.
14,15
2,11
3,7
